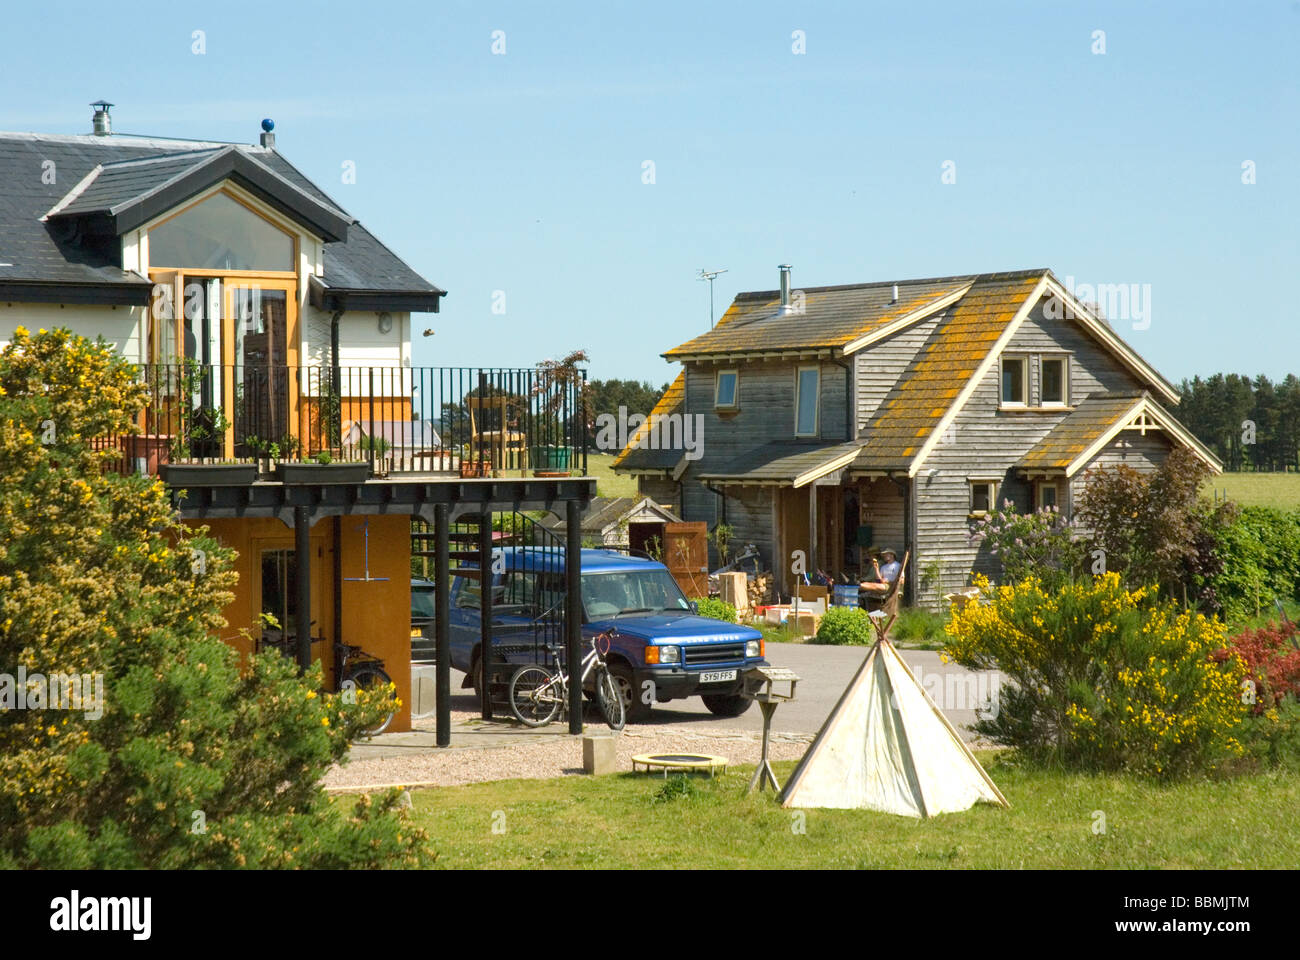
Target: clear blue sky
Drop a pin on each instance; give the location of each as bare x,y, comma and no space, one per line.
523,172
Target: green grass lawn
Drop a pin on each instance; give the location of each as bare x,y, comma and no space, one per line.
608,483
1281,490
616,821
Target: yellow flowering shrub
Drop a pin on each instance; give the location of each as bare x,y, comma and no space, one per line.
1102,678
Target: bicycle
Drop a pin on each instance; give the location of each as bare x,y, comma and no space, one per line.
538,692
352,665
363,670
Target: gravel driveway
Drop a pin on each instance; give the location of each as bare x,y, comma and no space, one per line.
505,751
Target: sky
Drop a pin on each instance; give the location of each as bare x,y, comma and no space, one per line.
576,165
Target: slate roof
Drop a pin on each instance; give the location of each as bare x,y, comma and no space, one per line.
785,461
942,367
1077,432
832,317
53,255
645,459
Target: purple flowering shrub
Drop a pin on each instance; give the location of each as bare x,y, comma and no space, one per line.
1040,544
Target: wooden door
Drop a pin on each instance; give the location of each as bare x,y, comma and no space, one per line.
686,554
830,530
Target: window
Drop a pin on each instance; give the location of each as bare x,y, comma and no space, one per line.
1048,493
1052,387
724,394
807,388
1015,381
220,233
643,591
983,496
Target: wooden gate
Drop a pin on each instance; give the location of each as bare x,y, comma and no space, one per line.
686,555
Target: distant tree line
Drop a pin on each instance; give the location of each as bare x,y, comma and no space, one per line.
639,396
1249,423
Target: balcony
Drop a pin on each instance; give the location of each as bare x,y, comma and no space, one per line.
461,422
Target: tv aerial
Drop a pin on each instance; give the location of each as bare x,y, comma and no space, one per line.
710,275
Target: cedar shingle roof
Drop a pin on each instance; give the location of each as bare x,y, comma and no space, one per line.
633,458
942,367
832,317
1078,431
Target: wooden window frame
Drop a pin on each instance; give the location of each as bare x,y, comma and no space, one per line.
1064,361
717,390
817,399
1039,485
1023,360
993,486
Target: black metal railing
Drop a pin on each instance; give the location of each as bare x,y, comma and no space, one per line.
529,588
463,421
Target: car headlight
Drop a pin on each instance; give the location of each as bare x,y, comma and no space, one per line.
670,654
753,648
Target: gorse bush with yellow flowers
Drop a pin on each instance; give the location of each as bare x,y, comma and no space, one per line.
1102,678
188,761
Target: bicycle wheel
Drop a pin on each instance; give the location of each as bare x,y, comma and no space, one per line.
368,675
609,700
535,695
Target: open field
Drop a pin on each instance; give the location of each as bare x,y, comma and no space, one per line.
618,821
1281,490
608,483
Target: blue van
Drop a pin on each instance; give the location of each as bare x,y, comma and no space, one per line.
665,650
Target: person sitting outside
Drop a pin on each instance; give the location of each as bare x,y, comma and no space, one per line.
885,575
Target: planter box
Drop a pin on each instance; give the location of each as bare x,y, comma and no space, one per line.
475,468
208,474
322,472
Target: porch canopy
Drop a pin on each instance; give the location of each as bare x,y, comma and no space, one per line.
785,463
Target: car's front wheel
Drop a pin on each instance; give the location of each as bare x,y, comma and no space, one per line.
726,705
635,707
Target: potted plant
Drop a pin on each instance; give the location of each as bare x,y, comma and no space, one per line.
560,396
323,469
224,473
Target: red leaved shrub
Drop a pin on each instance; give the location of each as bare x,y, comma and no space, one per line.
1273,658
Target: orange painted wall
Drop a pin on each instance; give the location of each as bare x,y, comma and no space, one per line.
376,615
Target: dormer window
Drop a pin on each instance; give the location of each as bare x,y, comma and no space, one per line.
807,389
1015,381
726,390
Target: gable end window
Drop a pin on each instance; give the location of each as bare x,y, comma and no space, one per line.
221,233
807,389
726,393
1015,381
1053,385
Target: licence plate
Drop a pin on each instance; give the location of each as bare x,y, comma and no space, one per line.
717,676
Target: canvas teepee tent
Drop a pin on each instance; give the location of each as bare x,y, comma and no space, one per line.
886,746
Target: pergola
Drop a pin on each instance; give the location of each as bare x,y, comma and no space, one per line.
439,502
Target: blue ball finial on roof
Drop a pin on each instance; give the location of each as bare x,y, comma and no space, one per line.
268,124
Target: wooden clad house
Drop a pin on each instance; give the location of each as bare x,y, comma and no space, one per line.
837,420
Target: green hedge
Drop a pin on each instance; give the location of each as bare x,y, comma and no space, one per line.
1260,553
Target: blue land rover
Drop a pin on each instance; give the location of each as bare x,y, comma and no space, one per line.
664,651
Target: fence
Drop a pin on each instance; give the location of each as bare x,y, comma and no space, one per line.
463,421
